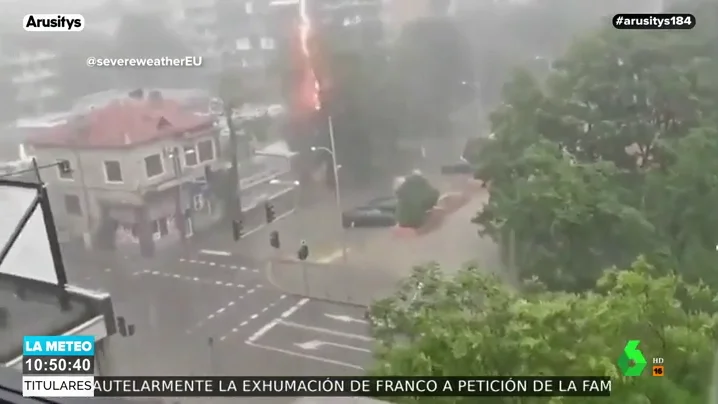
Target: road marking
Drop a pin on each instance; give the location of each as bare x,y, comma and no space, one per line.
316,344
345,319
108,269
242,268
233,267
182,260
305,356
211,316
223,338
196,279
326,331
276,321
240,286
155,272
333,256
254,316
175,276
235,329
193,261
215,252
243,323
256,271
212,264
282,297
228,284
264,310
218,283
250,291
220,311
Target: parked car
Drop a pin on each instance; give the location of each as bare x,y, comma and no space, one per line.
378,212
385,204
367,217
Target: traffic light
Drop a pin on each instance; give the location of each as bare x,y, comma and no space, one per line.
237,228
274,239
303,252
269,211
126,330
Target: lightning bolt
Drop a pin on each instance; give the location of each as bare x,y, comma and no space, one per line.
305,28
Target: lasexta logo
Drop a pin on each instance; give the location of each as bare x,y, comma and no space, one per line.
632,362
53,22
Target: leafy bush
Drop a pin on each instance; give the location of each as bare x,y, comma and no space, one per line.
415,198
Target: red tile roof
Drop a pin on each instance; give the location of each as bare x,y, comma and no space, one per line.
123,124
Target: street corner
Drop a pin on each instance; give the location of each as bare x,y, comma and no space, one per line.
320,332
320,255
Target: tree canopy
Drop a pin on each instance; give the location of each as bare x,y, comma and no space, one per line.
472,325
610,158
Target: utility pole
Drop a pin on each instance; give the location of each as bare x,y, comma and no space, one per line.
180,219
235,187
89,222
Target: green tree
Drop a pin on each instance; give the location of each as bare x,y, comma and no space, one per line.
595,165
415,197
471,324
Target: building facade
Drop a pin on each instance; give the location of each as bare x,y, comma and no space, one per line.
141,173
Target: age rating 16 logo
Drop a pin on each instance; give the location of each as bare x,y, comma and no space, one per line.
633,363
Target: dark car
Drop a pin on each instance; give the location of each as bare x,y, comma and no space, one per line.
368,217
385,204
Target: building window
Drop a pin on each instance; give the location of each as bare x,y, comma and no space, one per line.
64,169
190,156
243,44
153,166
113,171
205,149
72,205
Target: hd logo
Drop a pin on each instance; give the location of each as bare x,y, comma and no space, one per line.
53,22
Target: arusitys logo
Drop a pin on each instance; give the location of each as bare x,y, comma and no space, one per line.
53,22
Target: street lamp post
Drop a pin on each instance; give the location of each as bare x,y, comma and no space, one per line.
337,193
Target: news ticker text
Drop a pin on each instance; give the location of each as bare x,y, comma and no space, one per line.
173,386
654,21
